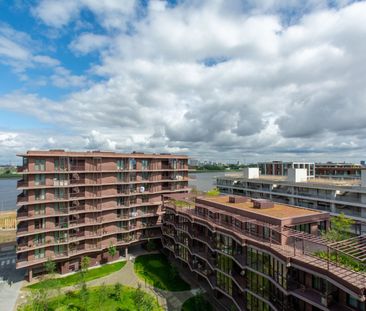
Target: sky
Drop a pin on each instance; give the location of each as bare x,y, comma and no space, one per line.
224,80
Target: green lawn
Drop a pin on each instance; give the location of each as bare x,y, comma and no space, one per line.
75,278
157,271
101,298
197,303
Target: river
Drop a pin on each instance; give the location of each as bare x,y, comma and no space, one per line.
8,192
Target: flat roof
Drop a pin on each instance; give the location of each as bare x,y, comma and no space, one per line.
279,211
103,154
318,181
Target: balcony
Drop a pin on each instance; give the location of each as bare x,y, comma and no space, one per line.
76,222
21,198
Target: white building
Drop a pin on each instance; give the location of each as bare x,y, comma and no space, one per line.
334,196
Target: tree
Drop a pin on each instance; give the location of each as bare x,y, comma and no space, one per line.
85,263
117,291
214,192
102,294
340,227
112,250
84,296
138,297
50,267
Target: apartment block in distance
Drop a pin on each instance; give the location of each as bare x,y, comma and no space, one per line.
279,168
335,196
76,204
338,170
256,255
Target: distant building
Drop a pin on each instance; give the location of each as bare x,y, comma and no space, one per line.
327,194
338,170
279,168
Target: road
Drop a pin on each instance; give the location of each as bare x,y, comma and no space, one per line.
10,278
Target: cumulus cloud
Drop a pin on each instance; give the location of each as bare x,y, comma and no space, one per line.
212,79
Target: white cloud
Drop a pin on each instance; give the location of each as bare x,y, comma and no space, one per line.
214,80
89,42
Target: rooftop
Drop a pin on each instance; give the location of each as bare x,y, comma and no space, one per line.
278,211
317,181
99,154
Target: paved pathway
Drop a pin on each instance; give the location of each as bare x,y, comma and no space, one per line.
10,279
171,301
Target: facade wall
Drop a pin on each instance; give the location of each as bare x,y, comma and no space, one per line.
73,206
247,273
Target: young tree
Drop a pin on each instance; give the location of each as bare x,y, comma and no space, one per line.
85,263
117,291
102,294
340,227
50,267
112,250
138,297
84,296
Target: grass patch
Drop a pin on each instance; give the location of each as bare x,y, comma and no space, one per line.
197,303
74,279
156,270
101,298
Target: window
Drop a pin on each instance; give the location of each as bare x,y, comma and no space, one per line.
353,302
319,284
39,179
145,176
39,209
60,236
60,193
60,165
145,164
40,165
39,253
39,223
121,177
39,239
132,164
120,164
59,249
40,194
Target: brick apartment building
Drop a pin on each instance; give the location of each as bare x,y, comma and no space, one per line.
253,254
76,204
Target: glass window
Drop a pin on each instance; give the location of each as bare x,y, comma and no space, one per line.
40,165
39,179
39,253
145,164
120,164
132,164
39,209
40,194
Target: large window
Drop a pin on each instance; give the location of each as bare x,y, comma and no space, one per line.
40,165
145,164
120,164
39,179
224,263
354,303
39,223
60,193
132,164
40,194
263,262
39,239
39,209
224,282
39,253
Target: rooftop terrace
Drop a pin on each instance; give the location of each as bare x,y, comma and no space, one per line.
279,211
